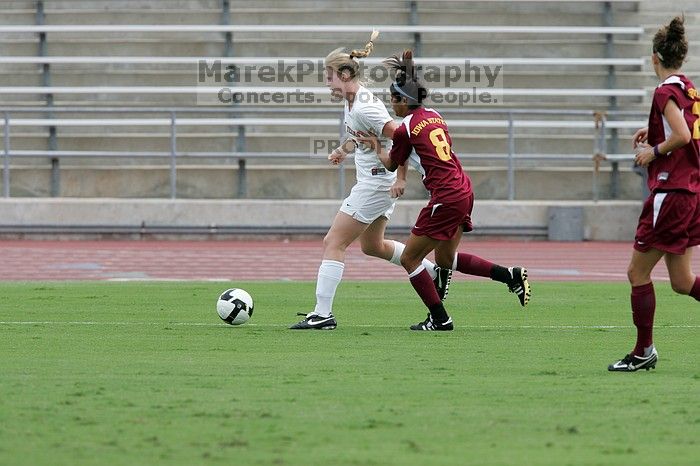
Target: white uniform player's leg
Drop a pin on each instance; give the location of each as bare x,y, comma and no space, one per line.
396,259
330,273
342,233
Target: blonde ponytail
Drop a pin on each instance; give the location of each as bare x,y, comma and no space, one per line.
339,60
368,47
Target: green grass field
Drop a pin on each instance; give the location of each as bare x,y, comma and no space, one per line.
147,374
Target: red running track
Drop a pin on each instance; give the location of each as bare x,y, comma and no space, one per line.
286,260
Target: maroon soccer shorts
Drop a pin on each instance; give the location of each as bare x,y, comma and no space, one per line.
440,221
669,222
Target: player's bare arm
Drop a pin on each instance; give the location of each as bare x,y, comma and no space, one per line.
346,147
680,133
399,186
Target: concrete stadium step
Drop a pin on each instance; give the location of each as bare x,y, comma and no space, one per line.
157,100
260,46
508,76
300,183
326,12
143,218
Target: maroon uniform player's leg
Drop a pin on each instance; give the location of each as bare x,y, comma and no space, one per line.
643,302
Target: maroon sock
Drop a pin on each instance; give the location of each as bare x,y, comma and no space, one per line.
425,288
695,291
643,307
473,265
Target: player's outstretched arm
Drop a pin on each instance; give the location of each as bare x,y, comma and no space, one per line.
346,146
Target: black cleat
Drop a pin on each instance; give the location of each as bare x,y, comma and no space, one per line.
442,281
429,325
519,285
316,322
632,363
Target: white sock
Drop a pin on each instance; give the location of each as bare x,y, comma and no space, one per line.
396,259
416,272
398,250
329,275
648,350
430,267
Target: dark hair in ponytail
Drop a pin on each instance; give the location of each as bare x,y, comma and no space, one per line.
671,45
406,83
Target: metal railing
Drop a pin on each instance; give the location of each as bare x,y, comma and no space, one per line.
319,28
234,118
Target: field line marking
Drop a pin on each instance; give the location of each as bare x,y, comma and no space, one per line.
206,324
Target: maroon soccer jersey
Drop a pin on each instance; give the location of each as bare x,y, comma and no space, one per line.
425,131
680,169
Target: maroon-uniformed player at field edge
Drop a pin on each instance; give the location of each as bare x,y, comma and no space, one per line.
669,225
441,223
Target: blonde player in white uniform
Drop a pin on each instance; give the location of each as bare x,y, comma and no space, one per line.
366,211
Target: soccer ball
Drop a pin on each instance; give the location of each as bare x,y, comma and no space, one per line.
235,306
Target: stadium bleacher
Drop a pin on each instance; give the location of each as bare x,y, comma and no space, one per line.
93,62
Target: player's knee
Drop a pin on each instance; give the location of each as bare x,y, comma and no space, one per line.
636,277
331,243
681,286
410,262
444,260
372,249
327,241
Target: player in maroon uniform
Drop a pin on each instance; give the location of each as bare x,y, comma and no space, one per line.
669,225
440,224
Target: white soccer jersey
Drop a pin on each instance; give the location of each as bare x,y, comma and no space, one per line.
369,115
